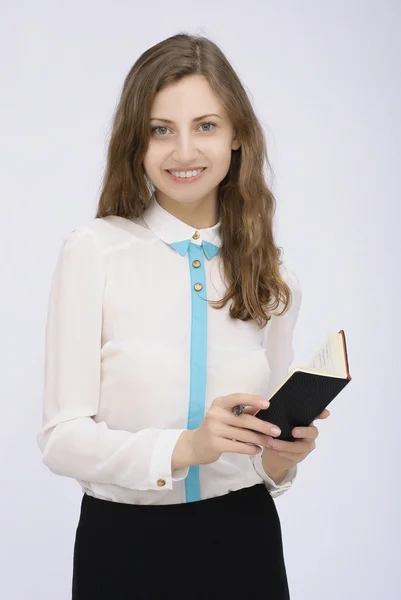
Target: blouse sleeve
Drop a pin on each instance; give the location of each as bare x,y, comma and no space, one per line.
278,342
73,444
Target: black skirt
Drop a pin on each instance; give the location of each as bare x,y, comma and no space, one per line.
224,547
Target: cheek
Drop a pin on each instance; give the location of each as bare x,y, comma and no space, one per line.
222,159
152,160
217,149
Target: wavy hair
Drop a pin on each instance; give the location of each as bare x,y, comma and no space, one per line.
250,259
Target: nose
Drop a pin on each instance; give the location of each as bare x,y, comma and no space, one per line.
185,149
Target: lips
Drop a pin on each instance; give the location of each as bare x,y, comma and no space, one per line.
186,169
183,180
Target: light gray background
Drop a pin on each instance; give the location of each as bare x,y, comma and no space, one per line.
324,78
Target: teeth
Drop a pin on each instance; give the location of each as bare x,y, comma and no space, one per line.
186,174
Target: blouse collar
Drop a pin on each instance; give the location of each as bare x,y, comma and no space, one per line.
178,234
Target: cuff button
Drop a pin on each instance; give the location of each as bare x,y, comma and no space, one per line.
161,482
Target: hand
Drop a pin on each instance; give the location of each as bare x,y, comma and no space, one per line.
222,431
280,456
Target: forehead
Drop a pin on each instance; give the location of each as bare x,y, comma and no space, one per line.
187,98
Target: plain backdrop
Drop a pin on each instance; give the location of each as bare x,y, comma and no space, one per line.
324,78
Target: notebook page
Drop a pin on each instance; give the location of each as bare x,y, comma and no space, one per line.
326,358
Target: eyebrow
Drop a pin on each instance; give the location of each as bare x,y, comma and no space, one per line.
195,120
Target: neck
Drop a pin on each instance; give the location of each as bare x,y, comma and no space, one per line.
199,214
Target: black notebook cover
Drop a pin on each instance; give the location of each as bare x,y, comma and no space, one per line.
300,400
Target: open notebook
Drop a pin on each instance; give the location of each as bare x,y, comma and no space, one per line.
307,391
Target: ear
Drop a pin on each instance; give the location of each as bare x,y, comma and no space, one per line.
235,144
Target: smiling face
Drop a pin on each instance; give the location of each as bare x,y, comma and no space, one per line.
181,141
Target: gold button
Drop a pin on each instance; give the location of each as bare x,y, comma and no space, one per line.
196,235
161,482
196,263
198,287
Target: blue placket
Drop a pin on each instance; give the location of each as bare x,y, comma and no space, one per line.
198,358
198,347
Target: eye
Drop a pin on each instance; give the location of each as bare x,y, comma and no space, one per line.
208,123
162,134
158,127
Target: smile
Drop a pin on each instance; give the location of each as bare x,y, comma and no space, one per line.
186,179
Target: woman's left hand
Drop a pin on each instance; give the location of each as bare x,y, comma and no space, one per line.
279,456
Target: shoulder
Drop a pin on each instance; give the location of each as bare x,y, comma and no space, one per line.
293,282
104,235
279,329
289,276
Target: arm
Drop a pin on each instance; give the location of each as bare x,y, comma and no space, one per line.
278,342
72,443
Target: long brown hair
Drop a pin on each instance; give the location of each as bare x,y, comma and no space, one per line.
250,259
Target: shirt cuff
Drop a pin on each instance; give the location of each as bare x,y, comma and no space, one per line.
275,489
160,472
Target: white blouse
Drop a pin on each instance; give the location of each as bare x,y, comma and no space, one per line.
135,355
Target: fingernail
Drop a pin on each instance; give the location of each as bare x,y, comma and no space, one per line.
264,403
275,431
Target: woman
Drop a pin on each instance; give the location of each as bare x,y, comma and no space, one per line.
167,311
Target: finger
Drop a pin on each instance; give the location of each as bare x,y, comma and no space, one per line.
239,447
297,448
309,433
228,402
248,421
289,457
244,435
324,414
250,410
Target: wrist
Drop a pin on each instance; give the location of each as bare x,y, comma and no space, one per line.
276,474
183,454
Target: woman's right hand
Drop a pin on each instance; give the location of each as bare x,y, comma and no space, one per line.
222,431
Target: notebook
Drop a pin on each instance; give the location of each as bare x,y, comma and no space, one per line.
307,391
